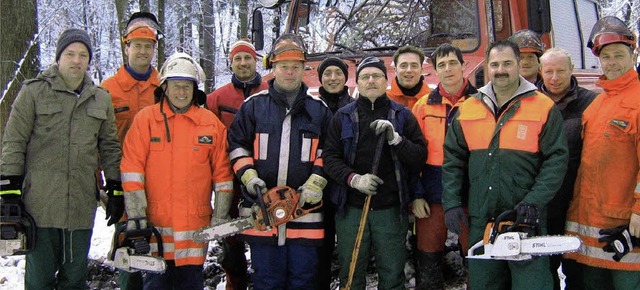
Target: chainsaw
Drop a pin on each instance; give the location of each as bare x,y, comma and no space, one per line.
505,240
277,206
17,230
132,250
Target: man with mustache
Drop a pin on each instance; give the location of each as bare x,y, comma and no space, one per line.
60,131
333,74
505,149
276,139
605,209
531,48
408,86
562,87
434,113
225,102
351,143
131,89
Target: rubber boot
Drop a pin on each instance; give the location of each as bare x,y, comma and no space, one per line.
429,271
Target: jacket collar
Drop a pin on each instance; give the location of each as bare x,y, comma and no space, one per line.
615,87
52,76
127,82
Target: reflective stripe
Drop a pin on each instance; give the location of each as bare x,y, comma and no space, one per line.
315,217
285,142
261,146
223,186
190,253
305,152
132,177
599,253
183,235
242,162
637,190
167,247
583,230
135,203
239,152
165,231
318,153
11,191
118,193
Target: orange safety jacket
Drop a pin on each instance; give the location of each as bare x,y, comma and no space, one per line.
396,94
177,176
129,96
607,189
434,114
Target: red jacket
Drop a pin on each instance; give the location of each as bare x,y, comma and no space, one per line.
177,177
607,188
226,100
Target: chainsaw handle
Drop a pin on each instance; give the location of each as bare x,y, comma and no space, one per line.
263,207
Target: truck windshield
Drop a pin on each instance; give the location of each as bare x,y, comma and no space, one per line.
354,26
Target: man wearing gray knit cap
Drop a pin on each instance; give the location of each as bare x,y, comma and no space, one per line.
60,131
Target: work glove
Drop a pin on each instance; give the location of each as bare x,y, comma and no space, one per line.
11,190
420,208
367,184
115,203
222,203
384,126
250,179
311,190
618,240
454,218
527,214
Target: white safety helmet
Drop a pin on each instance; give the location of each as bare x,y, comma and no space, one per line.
180,66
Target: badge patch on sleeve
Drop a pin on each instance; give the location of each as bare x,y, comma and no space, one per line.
619,123
205,139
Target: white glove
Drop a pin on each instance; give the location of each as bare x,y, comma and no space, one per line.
380,126
250,179
420,208
312,189
367,184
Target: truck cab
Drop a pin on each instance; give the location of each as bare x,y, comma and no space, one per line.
352,29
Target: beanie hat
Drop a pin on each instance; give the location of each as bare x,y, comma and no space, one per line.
371,61
332,60
70,36
242,45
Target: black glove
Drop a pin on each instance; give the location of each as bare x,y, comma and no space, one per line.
115,204
453,218
11,190
527,214
618,240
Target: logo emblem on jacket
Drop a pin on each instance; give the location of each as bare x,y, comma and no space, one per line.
619,123
522,132
156,139
205,139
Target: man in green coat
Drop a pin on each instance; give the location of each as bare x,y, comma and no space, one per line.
61,127
505,149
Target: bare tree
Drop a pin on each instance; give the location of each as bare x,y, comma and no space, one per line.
208,58
19,55
161,50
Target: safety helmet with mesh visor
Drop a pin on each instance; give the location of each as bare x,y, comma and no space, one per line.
288,47
609,30
180,66
528,41
142,25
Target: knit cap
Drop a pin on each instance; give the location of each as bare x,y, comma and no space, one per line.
332,60
371,61
242,45
70,36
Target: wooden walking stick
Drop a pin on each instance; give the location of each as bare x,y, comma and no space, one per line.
365,213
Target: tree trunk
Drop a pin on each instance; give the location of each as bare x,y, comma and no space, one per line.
208,58
19,54
144,5
160,15
242,14
122,7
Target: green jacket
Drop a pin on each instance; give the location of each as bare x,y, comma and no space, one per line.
529,166
55,139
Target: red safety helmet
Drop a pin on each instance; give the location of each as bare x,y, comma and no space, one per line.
528,41
609,30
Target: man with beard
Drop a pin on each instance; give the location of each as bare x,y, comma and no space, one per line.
408,86
505,149
224,102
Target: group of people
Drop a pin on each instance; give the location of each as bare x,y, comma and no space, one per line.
453,157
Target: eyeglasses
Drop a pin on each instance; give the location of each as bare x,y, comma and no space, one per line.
365,77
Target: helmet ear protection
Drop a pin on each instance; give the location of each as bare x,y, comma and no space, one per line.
288,46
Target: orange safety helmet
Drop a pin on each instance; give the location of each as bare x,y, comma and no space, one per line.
528,41
143,25
289,46
609,30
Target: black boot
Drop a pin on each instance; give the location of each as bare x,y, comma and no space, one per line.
429,271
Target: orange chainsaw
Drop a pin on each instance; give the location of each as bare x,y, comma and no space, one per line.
277,206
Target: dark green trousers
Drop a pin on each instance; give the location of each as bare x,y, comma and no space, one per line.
58,251
385,234
600,278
